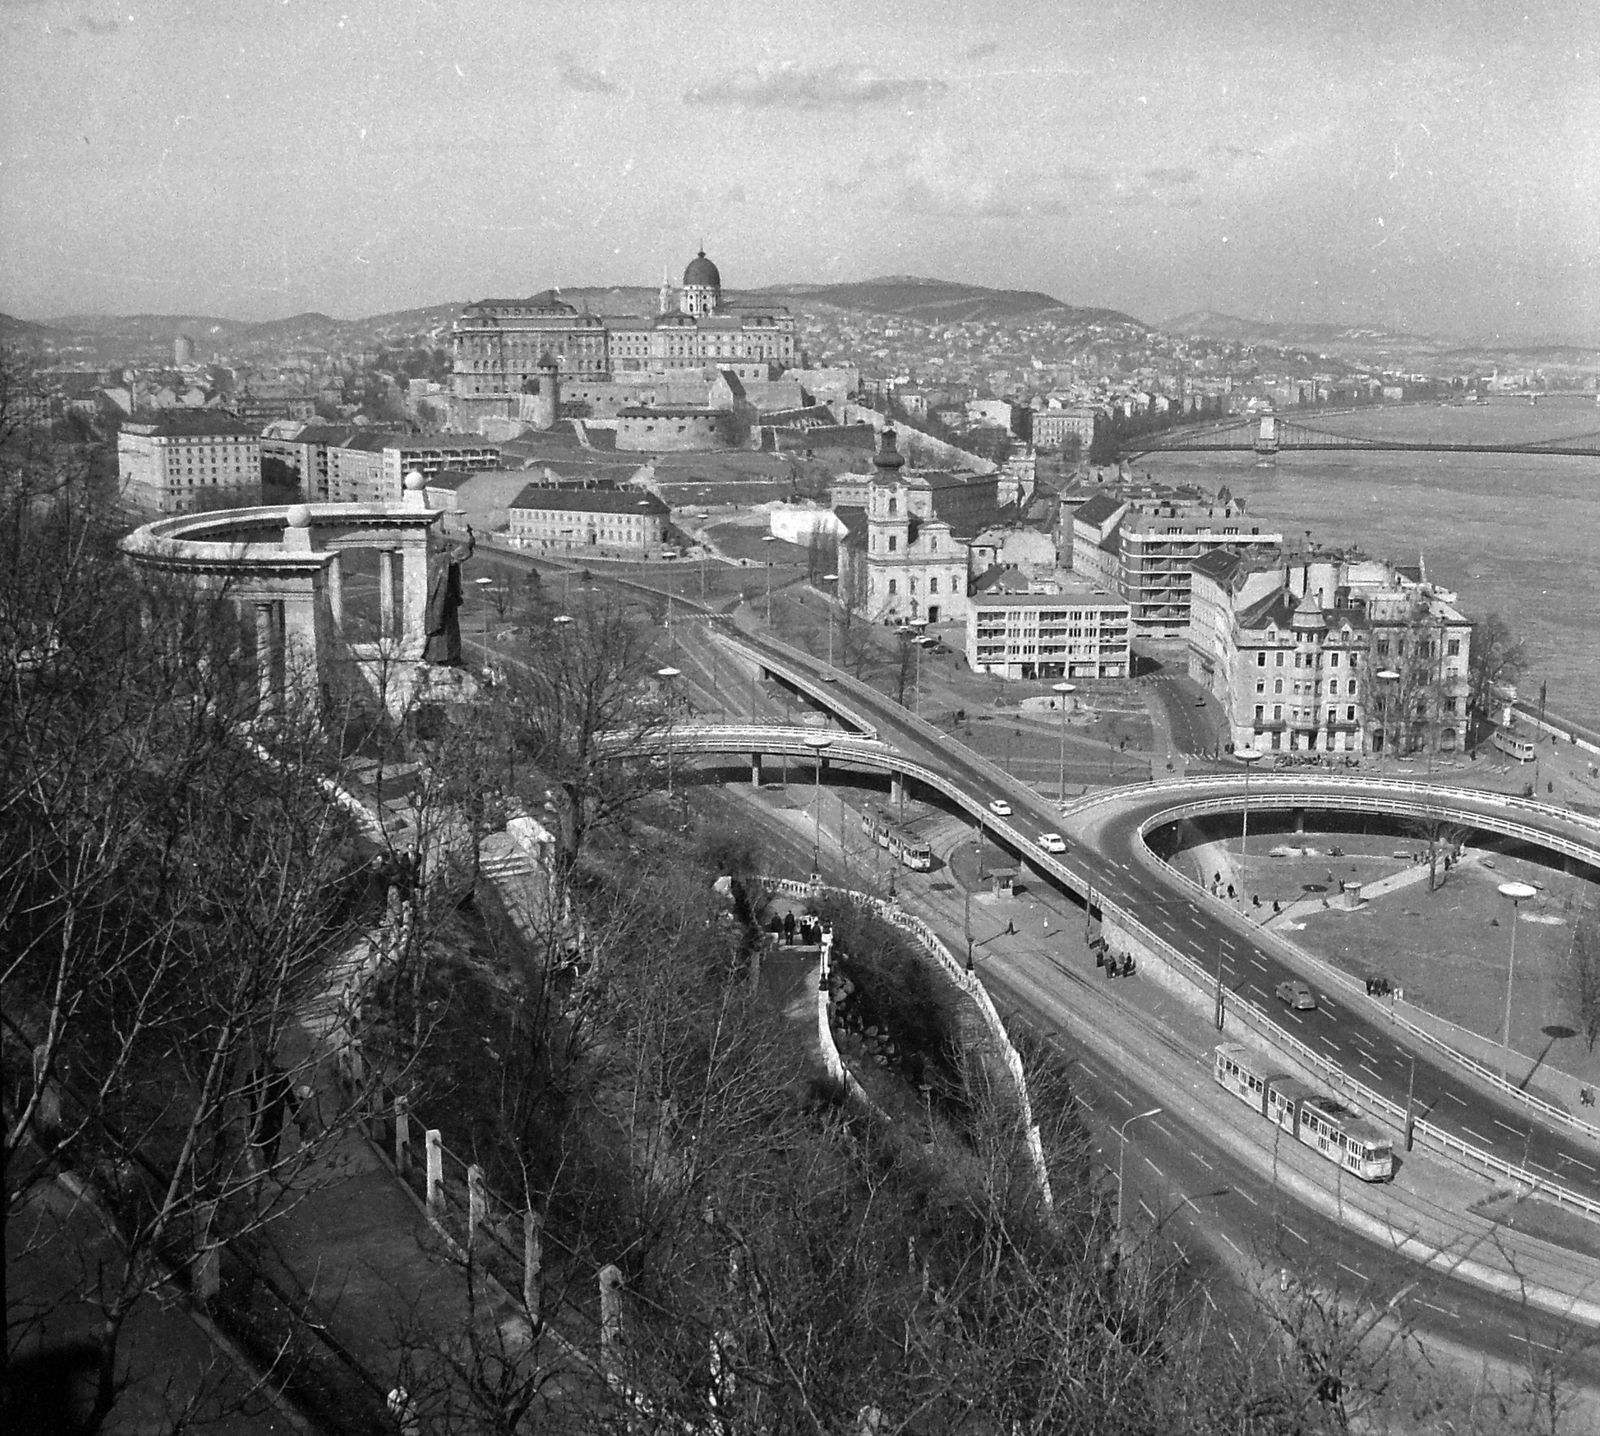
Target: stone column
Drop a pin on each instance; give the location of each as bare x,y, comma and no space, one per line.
265,644
386,617
434,1141
336,594
755,770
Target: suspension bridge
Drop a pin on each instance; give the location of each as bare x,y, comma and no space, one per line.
1268,434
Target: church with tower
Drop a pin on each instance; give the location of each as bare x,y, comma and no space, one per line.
499,344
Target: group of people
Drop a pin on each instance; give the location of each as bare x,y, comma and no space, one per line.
808,929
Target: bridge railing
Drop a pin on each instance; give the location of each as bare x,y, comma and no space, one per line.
1270,782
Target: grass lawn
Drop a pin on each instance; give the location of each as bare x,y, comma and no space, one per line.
1449,950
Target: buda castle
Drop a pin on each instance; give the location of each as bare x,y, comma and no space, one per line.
499,344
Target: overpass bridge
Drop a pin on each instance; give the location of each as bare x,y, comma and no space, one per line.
1110,870
1269,433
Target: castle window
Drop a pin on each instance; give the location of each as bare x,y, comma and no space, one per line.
894,543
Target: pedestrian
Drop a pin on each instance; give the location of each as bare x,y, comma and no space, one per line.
1011,928
788,929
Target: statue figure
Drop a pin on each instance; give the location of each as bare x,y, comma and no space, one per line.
442,623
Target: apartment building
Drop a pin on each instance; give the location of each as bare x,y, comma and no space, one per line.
1142,543
1022,628
610,523
182,460
1330,652
369,466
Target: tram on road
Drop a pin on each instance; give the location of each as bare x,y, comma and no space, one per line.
904,846
1314,1119
1519,748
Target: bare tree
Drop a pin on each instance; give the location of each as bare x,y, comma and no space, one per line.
1497,661
1581,978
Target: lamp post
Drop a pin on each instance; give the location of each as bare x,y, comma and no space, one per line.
666,675
1122,1152
1519,893
485,583
1066,690
1247,756
1386,677
832,578
769,538
817,742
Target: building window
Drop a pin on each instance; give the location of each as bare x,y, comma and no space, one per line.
933,585
1333,716
1453,649
1259,711
1333,688
1261,659
1350,713
894,543
891,588
1277,686
1280,660
1277,712
1333,660
1261,685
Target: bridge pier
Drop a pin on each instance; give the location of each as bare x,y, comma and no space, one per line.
897,788
755,770
1299,820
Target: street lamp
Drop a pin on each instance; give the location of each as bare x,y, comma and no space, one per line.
817,742
666,675
769,538
485,583
830,578
1247,756
1066,690
1122,1152
1519,893
1387,677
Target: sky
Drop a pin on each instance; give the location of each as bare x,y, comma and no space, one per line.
1429,167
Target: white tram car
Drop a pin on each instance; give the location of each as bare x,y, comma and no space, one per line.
905,847
1312,1118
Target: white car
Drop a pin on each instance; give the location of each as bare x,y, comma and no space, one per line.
1000,808
1052,842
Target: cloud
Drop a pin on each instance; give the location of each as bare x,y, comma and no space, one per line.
585,79
982,50
1164,178
795,87
96,26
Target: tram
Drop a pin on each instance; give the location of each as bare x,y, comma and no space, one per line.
1314,1119
903,846
1519,748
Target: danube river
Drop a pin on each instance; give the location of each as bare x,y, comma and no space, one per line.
1514,534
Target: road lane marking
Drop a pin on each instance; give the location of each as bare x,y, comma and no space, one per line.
1468,1130
1452,1096
1456,1316
1296,1235
1353,1272
1366,1068
1146,1210
1157,1170
1235,1245
1246,1195
1207,1165
1515,1131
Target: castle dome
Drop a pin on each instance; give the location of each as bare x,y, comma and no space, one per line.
702,273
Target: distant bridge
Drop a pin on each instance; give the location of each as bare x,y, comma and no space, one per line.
1268,434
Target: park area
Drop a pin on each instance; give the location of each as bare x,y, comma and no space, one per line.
1449,949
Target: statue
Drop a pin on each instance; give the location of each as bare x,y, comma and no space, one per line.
443,623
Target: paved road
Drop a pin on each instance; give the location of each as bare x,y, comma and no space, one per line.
1361,1044
1214,1213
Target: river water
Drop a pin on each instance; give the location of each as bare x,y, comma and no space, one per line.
1514,534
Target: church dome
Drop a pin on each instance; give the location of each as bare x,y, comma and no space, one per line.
702,272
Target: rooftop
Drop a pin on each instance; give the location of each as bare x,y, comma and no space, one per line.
591,501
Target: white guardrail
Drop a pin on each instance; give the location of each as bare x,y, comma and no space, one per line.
909,922
1441,794
1344,979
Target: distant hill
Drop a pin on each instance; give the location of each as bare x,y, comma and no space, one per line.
1209,324
939,301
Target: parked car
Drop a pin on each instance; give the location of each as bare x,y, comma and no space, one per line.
1052,842
1000,808
1297,995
